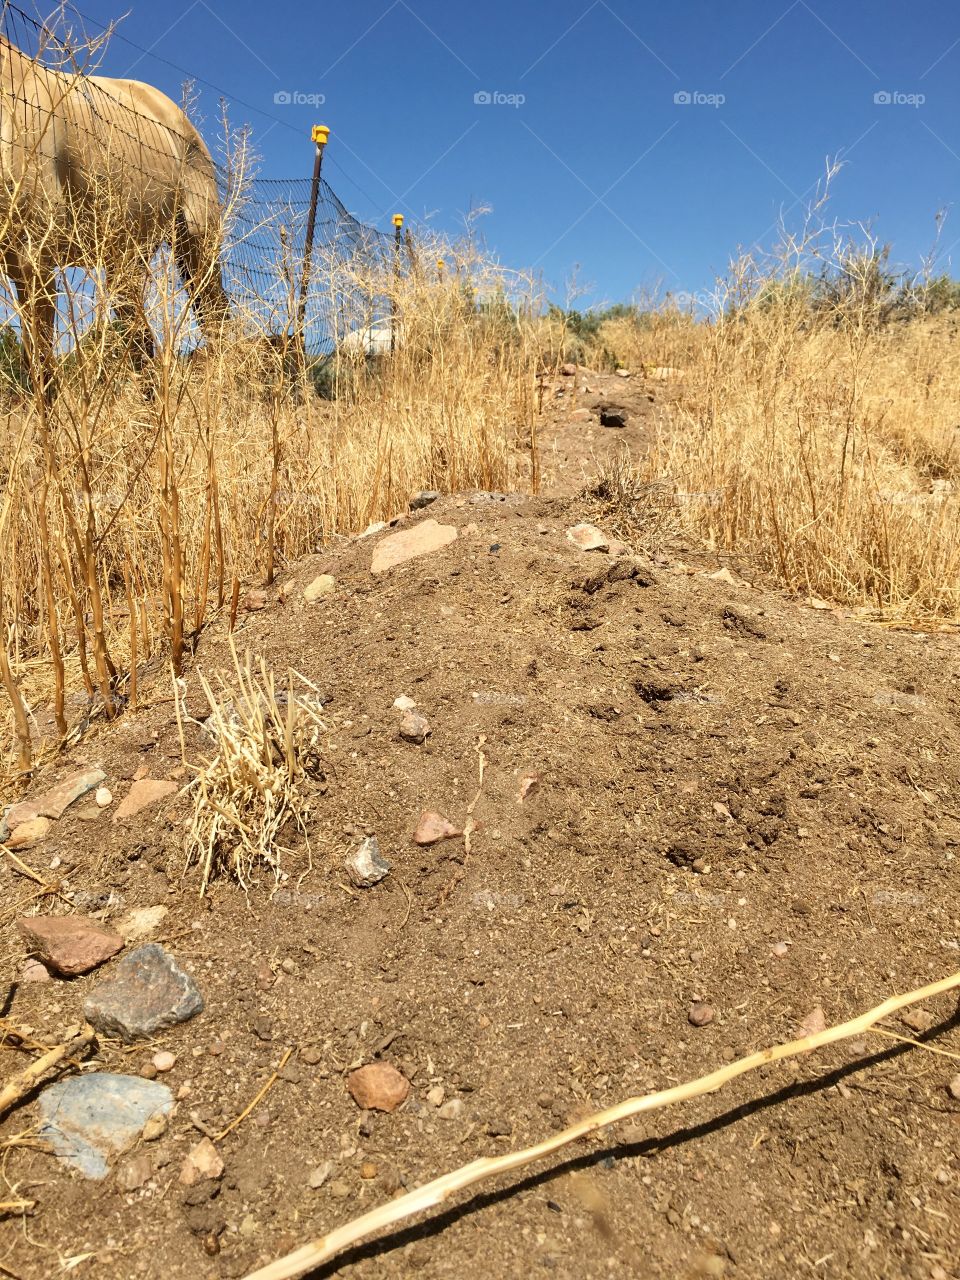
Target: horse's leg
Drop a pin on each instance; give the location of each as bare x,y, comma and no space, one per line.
198,261
37,305
127,301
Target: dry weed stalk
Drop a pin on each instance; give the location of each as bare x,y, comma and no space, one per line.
442,1189
258,788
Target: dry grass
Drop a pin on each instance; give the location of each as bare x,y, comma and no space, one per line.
820,445
256,790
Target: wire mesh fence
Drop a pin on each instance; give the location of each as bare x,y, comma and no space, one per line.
62,127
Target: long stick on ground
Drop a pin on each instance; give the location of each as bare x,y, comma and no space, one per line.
440,1189
23,1083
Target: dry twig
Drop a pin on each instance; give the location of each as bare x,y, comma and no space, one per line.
27,1079
441,1189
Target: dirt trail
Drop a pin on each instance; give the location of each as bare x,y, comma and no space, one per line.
741,802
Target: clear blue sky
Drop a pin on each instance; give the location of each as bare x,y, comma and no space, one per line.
599,166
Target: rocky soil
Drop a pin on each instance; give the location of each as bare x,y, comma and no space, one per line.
700,817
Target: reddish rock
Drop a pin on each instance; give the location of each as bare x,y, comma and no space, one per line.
68,944
254,600
54,803
414,727
700,1015
568,370
27,834
433,827
419,540
814,1022
588,538
378,1087
143,793
529,786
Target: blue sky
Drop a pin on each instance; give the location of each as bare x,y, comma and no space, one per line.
588,159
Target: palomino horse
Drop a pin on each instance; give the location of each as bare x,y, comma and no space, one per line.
99,174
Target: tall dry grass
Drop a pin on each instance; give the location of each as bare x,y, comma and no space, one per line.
135,504
817,439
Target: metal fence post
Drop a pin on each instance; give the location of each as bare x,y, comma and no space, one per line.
397,250
320,136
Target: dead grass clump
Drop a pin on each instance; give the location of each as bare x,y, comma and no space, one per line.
257,788
627,503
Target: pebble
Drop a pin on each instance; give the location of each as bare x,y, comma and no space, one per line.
378,1087
403,703
149,1071
312,1054
143,794
135,1173
141,922
700,1015
414,727
436,1095
366,866
69,945
425,498
165,1060
203,1163
954,1087
103,797
452,1110
147,993
34,971
814,1022
368,1170
434,827
918,1020
339,1190
320,1175
588,538
324,585
780,949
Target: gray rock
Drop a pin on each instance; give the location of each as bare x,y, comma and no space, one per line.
147,993
367,866
425,498
90,1119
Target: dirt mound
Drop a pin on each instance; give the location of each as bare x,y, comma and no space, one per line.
692,792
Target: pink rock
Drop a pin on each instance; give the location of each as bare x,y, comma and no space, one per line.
588,538
581,415
814,1022
419,540
69,944
378,1087
529,786
203,1163
54,803
568,370
34,971
27,834
414,727
432,828
143,793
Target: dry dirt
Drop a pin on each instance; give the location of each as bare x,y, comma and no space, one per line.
722,769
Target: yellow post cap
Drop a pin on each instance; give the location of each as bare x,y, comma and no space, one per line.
320,134
398,219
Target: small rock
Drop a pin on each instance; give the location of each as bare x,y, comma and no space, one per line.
529,786
499,1127
263,1028
953,1088
147,993
34,971
700,1015
425,498
155,1128
324,585
435,1095
254,600
69,945
312,1055
814,1022
320,1175
91,1118
339,1190
568,370
414,727
581,415
588,538
432,828
28,834
165,1060
103,798
148,1071
142,794
141,922
403,703
55,803
378,1087
918,1020
624,373
780,949
419,540
367,866
368,1170
135,1173
203,1163
452,1110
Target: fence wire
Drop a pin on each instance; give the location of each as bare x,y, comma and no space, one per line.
122,137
